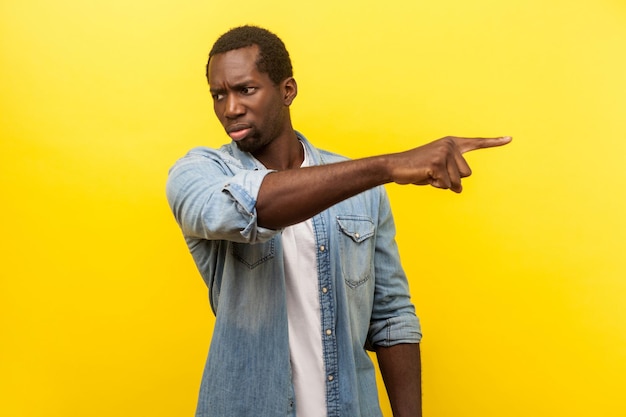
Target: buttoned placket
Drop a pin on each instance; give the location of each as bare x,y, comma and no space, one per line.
327,315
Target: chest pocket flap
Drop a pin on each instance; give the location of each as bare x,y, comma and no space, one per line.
357,228
356,248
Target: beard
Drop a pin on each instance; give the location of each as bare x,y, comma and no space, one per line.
259,138
253,143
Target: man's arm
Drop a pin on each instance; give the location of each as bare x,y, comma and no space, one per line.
400,366
289,197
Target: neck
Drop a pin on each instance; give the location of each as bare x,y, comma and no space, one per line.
282,153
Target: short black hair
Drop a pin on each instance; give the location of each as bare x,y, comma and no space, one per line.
273,56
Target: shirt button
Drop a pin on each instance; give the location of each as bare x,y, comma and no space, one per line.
330,377
357,235
324,290
329,332
322,248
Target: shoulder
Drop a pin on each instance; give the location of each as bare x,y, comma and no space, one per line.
320,156
204,152
327,157
205,158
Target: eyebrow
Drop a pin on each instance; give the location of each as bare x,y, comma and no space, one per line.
240,84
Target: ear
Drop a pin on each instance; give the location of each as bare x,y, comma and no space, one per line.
289,89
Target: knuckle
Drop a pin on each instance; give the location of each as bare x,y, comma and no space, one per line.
438,161
466,172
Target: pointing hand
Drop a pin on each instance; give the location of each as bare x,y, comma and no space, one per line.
439,163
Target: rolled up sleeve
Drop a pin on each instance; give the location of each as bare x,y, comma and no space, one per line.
393,318
214,198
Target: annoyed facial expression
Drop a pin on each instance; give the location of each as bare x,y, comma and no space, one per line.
247,103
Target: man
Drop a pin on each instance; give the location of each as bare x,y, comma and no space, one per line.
296,246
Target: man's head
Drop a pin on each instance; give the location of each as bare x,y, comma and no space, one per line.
252,88
273,58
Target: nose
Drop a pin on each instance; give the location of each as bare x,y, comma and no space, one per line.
233,108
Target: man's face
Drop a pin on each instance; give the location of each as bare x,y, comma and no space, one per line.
249,105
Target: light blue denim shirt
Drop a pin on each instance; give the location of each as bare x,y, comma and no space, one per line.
364,295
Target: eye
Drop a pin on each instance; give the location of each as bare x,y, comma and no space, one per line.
246,91
217,96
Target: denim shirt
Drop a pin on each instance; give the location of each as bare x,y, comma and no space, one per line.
364,295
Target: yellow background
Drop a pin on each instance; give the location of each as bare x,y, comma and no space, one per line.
519,281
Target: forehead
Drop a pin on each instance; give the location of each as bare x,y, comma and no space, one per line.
233,66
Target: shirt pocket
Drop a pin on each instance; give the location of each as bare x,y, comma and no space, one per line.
356,248
253,255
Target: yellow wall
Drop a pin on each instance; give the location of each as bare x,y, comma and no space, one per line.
519,281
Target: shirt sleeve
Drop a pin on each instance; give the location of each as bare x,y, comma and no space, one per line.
393,318
214,199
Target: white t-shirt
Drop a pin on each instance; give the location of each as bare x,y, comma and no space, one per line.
303,311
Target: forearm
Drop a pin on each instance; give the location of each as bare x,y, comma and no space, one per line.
291,196
400,366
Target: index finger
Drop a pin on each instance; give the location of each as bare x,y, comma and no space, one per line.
471,144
